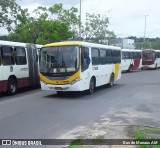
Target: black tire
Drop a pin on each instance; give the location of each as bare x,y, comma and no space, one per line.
111,82
60,92
12,86
91,86
155,66
130,68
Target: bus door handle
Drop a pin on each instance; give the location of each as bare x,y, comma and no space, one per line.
11,68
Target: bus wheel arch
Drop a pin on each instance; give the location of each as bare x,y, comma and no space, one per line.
12,85
92,85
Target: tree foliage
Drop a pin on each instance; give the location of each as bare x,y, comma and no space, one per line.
45,25
9,11
96,28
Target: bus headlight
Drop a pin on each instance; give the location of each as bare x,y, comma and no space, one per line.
75,81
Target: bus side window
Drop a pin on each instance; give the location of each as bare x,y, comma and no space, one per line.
0,57
7,55
123,55
135,55
95,56
118,56
103,56
85,59
20,57
131,55
109,56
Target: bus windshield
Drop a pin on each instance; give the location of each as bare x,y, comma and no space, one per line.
59,59
148,56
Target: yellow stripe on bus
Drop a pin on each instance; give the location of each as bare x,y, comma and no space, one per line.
60,82
63,44
117,69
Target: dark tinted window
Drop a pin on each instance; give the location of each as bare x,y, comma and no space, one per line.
139,55
131,55
95,56
103,58
20,56
127,55
116,56
123,55
7,55
85,59
0,57
109,56
135,55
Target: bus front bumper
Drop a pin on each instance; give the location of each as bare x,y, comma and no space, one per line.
67,87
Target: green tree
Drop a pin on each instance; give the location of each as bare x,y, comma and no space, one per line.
96,28
156,44
143,45
41,32
68,17
48,25
9,11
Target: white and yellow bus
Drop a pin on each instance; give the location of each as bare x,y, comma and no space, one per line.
78,66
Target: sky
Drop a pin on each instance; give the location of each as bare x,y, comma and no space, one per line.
127,17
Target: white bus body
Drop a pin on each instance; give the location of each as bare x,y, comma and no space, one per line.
102,66
18,66
131,59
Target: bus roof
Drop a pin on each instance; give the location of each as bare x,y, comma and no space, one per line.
12,43
132,50
79,43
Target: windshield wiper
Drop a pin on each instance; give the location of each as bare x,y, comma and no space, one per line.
54,65
64,64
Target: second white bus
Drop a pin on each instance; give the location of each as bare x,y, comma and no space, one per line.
131,59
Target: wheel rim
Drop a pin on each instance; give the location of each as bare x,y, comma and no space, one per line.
91,86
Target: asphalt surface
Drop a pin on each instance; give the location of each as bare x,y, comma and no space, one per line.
135,99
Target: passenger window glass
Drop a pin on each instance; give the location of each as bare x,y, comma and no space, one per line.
95,56
0,57
7,55
109,56
123,55
85,59
103,59
20,56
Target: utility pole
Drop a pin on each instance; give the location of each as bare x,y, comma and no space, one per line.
145,16
80,22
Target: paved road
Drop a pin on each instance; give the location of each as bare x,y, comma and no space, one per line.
135,99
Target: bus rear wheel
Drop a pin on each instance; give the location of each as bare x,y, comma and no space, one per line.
12,86
91,86
111,80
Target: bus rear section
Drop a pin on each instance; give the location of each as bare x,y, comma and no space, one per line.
151,58
131,59
18,66
78,66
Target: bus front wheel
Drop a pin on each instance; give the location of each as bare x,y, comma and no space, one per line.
91,86
12,86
